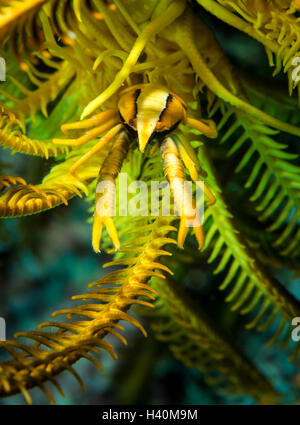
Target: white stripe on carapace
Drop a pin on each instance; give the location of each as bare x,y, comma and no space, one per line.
151,102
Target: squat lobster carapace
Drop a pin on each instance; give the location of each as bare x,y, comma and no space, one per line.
145,111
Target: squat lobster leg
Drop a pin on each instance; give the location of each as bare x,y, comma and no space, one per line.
90,122
207,127
97,147
89,135
191,166
174,172
106,183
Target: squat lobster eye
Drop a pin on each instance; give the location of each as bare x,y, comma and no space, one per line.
150,110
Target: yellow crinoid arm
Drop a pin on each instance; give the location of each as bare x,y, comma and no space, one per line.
105,192
174,171
185,39
174,10
15,11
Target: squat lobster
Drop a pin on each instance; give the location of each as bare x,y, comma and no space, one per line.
145,111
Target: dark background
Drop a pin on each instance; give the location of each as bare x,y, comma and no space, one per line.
47,258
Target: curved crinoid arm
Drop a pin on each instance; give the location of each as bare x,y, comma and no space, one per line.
56,351
172,12
174,172
185,39
35,78
57,188
272,176
273,24
7,181
12,137
105,192
36,92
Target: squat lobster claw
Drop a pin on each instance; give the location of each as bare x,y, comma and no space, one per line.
147,111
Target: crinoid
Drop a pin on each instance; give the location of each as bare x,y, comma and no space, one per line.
138,88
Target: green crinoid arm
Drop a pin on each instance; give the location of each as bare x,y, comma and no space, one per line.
196,341
275,27
185,39
251,290
38,99
274,180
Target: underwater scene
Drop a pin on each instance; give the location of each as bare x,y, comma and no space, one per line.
149,202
